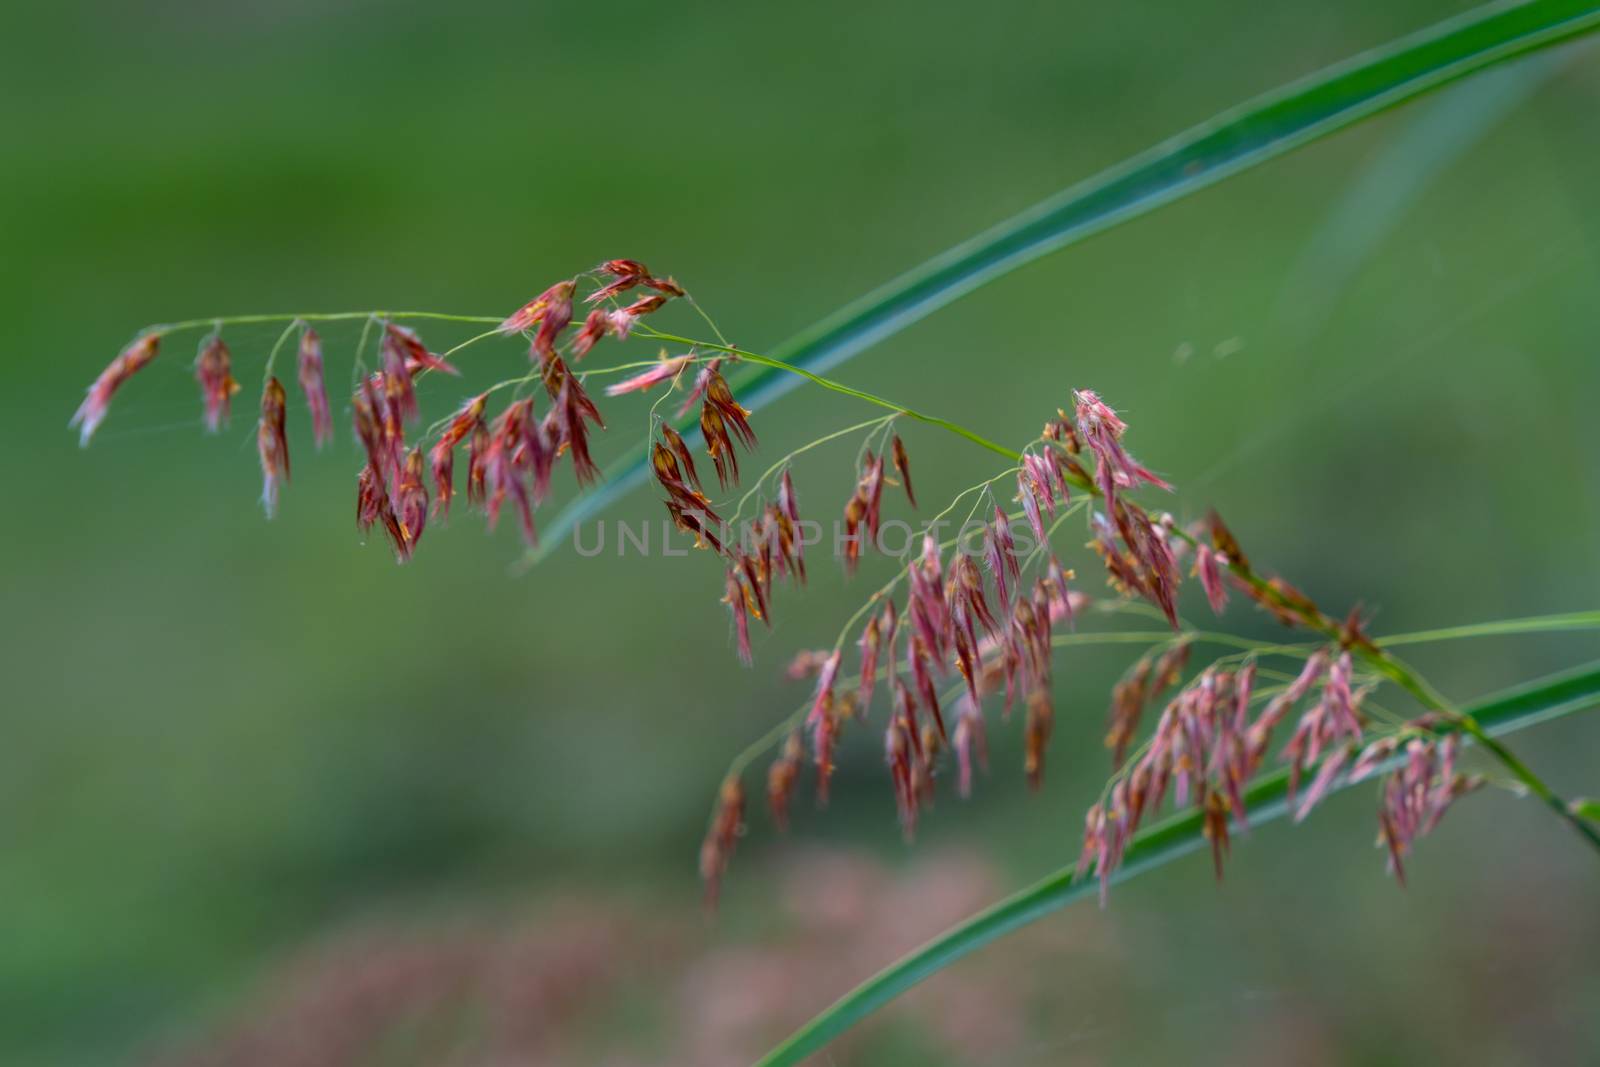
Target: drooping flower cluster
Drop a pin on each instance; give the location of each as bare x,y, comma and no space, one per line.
976,622
510,456
1206,746
1416,795
983,632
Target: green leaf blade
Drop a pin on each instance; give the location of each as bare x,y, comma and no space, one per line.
1548,698
1237,140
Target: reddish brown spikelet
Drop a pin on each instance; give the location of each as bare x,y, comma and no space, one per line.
727,823
441,458
413,354
902,466
557,316
272,444
309,370
666,286
627,274
718,444
505,469
466,419
971,745
1152,554
412,498
533,312
863,509
1060,430
870,644
569,418
782,777
92,412
1223,540
1353,634
855,515
734,595
1283,601
398,390
722,420
823,702
1128,698
213,369
477,457
757,581
594,329
442,463
365,408
680,450
372,506
688,507
1036,731
1216,829
720,396
872,493
966,600
697,391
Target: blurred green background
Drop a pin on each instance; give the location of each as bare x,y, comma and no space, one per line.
226,740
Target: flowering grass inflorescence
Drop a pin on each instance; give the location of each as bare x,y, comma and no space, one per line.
965,623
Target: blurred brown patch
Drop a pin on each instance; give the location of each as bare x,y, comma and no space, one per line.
590,980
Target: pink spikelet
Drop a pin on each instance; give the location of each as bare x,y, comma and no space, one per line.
1208,566
92,412
213,369
870,642
822,704
1102,431
665,371
1416,795
310,373
738,606
971,745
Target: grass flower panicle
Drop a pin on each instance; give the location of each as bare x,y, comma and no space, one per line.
995,616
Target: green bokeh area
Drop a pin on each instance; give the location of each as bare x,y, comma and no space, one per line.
222,736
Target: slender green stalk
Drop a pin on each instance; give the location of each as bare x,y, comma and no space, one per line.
1237,140
1576,620
1548,698
314,316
